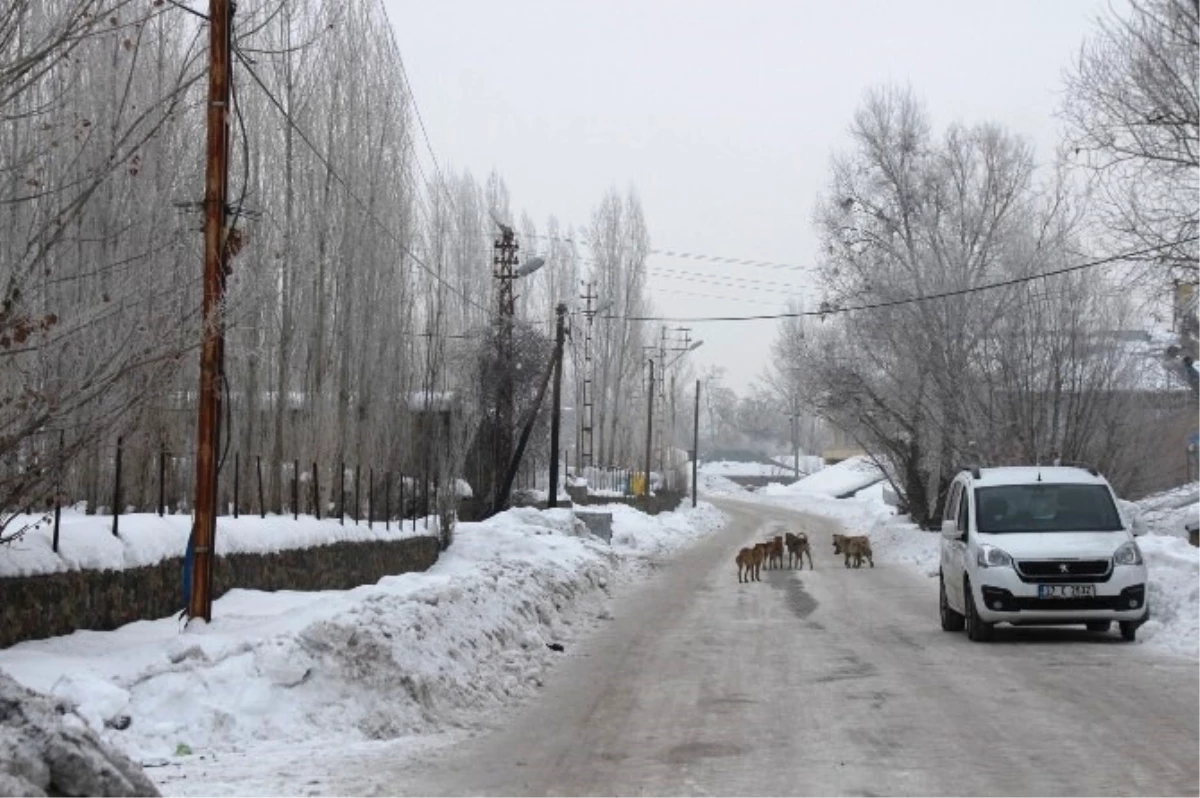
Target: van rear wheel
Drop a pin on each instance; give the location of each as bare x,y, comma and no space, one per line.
1129,630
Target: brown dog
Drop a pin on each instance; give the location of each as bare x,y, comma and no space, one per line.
857,547
764,550
775,552
749,561
797,547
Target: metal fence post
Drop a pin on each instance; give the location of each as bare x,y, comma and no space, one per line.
116,502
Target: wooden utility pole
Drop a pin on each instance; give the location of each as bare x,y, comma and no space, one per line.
695,441
216,183
649,428
556,413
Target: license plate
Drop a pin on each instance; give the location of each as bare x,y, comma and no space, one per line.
1066,591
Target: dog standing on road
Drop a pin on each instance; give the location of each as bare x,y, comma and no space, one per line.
856,547
749,561
797,546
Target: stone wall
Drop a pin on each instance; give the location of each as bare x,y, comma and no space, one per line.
47,605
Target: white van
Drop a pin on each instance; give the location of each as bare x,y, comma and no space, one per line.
1038,545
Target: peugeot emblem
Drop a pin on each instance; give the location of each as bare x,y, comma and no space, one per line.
1062,566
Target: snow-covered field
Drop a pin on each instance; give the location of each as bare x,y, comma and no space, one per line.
413,656
1174,564
87,542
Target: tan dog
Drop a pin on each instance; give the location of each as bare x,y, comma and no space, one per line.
857,547
746,564
797,546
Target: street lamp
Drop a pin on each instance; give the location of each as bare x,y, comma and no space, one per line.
530,266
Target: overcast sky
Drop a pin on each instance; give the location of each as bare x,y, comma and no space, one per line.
722,116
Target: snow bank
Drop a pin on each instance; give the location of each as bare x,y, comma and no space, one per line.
87,542
718,485
414,654
46,749
836,480
743,469
1174,567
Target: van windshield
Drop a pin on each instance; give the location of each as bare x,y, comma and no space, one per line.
1045,507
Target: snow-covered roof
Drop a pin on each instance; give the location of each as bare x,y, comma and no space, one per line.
1021,475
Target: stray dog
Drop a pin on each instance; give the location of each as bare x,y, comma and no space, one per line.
775,552
854,546
797,546
764,549
749,561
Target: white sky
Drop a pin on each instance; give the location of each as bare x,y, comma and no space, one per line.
723,116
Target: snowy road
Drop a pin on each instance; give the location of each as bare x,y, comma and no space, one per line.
828,682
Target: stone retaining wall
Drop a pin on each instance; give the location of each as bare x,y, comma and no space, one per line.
47,605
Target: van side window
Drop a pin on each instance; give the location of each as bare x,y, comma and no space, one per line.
951,511
964,512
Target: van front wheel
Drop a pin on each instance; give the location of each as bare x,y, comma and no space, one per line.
977,630
951,621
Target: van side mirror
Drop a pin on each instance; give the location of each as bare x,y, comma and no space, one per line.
950,530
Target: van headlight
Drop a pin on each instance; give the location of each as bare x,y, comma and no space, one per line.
1128,554
992,557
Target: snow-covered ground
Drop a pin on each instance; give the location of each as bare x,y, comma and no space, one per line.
407,659
835,480
1174,564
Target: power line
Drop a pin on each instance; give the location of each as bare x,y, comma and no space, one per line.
349,191
416,108
729,280
831,311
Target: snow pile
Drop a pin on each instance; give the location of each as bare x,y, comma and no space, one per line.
717,485
1174,599
743,469
87,542
46,749
413,654
1174,567
809,463
638,535
840,479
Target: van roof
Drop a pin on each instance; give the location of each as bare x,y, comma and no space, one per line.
1022,475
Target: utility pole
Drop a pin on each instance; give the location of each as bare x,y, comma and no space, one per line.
504,260
588,314
216,183
559,335
695,441
649,426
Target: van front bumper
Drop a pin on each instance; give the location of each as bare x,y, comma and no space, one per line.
1001,596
